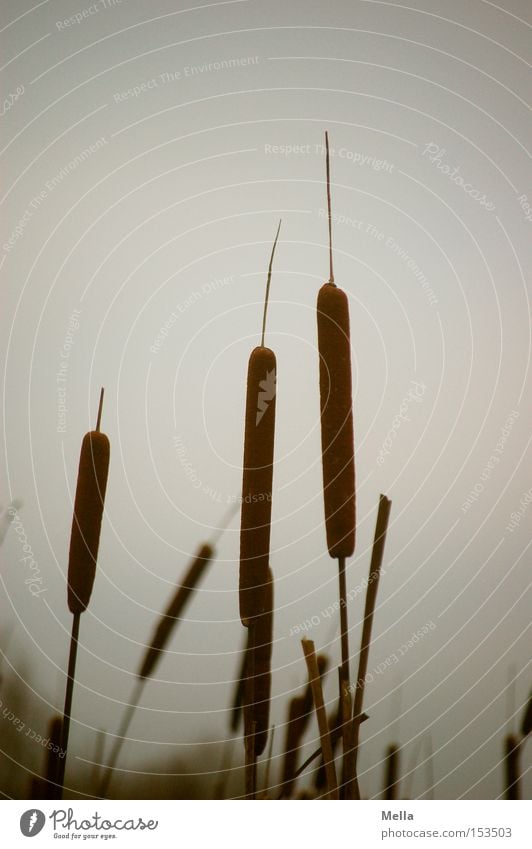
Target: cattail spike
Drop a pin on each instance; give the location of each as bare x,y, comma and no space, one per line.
100,408
329,217
267,296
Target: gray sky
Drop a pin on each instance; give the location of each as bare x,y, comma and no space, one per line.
148,154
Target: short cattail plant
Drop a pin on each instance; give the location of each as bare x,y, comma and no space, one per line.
84,543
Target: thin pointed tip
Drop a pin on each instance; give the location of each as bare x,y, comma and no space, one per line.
100,409
268,281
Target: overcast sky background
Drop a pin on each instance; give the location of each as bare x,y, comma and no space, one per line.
174,210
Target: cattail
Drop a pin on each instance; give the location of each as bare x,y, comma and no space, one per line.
511,767
257,477
391,772
87,520
175,608
337,448
336,405
337,439
84,543
258,674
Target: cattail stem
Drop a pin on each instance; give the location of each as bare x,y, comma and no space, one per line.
65,728
511,768
268,281
121,736
299,714
344,628
391,773
323,725
371,598
100,409
329,216
345,700
53,758
157,646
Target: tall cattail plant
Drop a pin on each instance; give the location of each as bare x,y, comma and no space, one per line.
255,523
337,441
83,554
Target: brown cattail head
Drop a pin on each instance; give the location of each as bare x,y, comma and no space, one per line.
87,520
391,772
257,482
258,672
511,767
175,609
337,439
